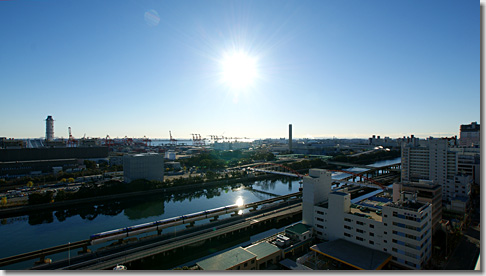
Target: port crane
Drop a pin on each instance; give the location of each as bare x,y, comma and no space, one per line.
172,140
71,142
196,139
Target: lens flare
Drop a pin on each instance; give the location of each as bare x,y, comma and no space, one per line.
152,18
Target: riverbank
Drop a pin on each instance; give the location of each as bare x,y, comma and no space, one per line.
28,209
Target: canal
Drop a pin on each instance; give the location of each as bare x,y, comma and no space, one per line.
50,228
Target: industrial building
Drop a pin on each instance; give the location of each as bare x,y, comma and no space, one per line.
149,166
16,162
401,229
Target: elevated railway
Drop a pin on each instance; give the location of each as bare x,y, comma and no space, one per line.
131,231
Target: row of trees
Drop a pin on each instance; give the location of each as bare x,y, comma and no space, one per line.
368,158
216,160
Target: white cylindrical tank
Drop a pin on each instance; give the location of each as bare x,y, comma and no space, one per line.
49,128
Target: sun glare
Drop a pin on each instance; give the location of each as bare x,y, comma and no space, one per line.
239,70
240,202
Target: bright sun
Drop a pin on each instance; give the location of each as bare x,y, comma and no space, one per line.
239,70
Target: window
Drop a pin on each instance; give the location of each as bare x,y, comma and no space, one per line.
252,261
348,220
347,227
245,265
320,213
359,239
372,234
394,249
319,226
372,242
359,231
319,233
359,223
372,226
347,235
319,219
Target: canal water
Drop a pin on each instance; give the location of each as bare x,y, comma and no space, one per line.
46,229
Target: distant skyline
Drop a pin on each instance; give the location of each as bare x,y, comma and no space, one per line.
344,69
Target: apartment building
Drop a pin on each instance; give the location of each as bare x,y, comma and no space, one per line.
423,191
470,134
440,160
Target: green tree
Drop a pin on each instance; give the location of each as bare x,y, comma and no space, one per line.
60,196
91,165
70,180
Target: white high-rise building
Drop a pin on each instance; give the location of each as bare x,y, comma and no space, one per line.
438,160
401,229
149,166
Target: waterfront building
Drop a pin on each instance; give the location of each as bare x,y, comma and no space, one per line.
470,135
401,229
149,166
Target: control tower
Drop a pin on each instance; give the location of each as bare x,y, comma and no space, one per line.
49,128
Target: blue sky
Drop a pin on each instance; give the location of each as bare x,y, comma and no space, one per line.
330,68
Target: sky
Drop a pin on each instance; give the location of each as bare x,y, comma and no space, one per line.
346,69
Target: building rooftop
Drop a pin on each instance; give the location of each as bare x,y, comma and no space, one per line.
226,260
371,214
410,205
262,250
352,254
298,228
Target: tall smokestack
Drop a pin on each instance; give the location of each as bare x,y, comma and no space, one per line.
49,128
290,138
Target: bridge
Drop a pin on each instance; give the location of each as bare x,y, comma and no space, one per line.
124,234
365,179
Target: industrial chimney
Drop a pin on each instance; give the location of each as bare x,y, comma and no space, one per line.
290,138
49,128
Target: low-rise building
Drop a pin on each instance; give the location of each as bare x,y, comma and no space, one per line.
235,259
